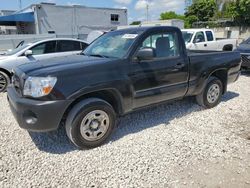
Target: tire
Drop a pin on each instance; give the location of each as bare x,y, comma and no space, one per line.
85,128
211,95
4,81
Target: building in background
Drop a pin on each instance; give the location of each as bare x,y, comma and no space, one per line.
7,30
172,22
64,21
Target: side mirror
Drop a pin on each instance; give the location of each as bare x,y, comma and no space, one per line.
28,53
145,54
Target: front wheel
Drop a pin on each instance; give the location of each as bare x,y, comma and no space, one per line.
90,123
211,95
4,81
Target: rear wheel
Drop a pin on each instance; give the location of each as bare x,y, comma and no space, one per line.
4,81
90,123
211,95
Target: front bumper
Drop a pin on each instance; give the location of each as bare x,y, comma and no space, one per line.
35,115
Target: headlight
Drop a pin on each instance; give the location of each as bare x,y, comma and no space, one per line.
38,86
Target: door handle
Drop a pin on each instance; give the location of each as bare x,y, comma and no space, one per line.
179,65
205,45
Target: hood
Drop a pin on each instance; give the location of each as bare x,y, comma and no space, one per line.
244,48
2,57
57,64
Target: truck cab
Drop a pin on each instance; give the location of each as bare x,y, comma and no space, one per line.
204,39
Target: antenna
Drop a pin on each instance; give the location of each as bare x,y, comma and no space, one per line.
20,4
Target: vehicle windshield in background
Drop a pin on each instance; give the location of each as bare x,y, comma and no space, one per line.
187,36
14,51
246,41
113,45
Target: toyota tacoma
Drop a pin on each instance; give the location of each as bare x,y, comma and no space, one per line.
120,72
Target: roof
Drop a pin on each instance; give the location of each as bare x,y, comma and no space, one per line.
195,30
76,5
17,17
56,39
146,28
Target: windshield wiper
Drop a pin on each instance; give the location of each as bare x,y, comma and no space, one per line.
97,55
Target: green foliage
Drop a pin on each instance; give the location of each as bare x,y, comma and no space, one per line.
136,23
171,15
189,20
204,10
239,11
209,12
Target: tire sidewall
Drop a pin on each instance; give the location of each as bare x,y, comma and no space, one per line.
6,77
210,83
75,133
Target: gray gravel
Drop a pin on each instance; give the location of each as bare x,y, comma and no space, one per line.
173,145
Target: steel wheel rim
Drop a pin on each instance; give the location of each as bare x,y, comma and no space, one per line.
213,93
94,125
3,82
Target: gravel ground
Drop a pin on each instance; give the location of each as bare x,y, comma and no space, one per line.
173,145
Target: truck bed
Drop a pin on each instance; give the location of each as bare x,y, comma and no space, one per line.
202,62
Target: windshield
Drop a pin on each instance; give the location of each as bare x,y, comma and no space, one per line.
246,41
187,36
14,51
112,45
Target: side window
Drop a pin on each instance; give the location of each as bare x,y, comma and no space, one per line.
67,46
83,45
44,48
114,17
210,36
199,37
164,45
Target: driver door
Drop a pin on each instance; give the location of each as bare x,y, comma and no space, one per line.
164,77
200,41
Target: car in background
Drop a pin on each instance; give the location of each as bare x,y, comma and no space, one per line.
204,39
34,52
93,35
244,49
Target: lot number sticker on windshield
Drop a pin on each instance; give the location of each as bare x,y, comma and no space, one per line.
129,36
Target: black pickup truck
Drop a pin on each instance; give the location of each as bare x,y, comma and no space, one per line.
120,72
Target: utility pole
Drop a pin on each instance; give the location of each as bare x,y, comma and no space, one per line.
20,4
147,10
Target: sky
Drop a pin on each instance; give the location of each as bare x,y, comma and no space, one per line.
136,8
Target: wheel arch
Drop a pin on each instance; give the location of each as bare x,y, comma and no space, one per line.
227,47
6,72
112,96
222,75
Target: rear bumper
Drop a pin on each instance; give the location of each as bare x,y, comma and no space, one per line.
34,115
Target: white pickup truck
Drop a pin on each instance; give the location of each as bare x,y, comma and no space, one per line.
204,39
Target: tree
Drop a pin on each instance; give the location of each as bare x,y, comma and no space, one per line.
203,10
171,15
136,23
239,11
189,20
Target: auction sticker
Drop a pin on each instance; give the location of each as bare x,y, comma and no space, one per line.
129,36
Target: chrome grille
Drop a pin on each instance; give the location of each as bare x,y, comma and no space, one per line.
245,60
